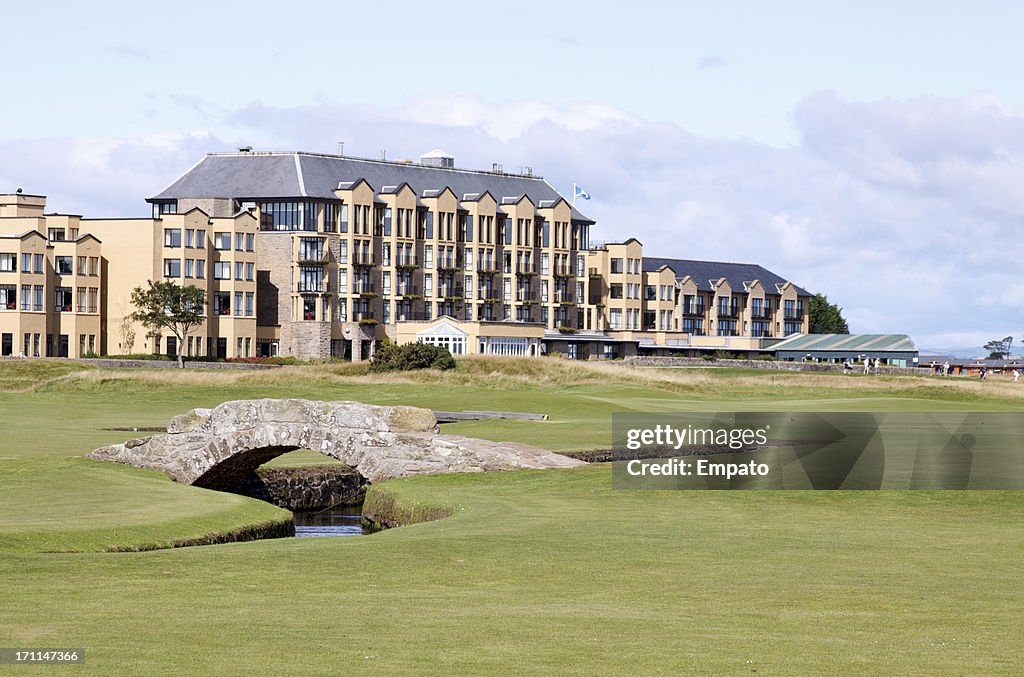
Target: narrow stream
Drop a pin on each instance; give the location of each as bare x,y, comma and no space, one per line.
341,521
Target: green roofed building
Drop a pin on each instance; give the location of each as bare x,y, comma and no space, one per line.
893,349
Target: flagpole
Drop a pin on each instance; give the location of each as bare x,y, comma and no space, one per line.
574,196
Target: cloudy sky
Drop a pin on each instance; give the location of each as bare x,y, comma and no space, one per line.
871,151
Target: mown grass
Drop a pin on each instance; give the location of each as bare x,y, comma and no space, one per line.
553,573
535,572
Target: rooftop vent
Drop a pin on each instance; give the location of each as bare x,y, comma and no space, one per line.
245,149
438,158
497,168
526,171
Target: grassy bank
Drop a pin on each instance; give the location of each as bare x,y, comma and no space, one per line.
534,572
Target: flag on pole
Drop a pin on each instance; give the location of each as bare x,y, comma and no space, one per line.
577,191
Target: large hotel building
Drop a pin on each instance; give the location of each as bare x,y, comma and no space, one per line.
321,256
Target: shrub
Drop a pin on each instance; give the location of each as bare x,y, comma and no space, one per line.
708,357
392,357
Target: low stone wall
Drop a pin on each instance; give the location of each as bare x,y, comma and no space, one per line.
306,489
826,367
165,364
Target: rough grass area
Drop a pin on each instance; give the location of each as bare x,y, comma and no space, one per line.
543,572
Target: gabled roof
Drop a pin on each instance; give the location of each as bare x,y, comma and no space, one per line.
703,272
476,197
295,175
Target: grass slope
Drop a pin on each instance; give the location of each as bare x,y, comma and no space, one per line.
534,572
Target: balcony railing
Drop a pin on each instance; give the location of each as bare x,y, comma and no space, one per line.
565,299
408,290
728,311
453,291
406,262
694,311
761,313
523,269
304,288
365,289
313,255
526,296
361,258
797,314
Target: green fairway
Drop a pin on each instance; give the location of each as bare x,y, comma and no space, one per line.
535,572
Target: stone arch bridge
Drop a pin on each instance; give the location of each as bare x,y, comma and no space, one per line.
221,448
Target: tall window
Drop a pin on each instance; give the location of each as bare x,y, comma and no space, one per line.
310,279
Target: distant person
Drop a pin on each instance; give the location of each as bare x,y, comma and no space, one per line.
878,364
945,369
1016,374
961,370
867,365
982,373
847,366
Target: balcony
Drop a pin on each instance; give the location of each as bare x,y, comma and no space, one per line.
526,297
408,290
365,290
364,318
565,299
448,265
525,270
728,311
797,314
406,262
362,258
562,271
761,313
693,311
488,268
313,255
302,288
451,292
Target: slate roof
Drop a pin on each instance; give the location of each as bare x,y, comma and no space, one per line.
703,272
860,343
296,175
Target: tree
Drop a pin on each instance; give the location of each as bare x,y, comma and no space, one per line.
170,306
824,317
999,349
